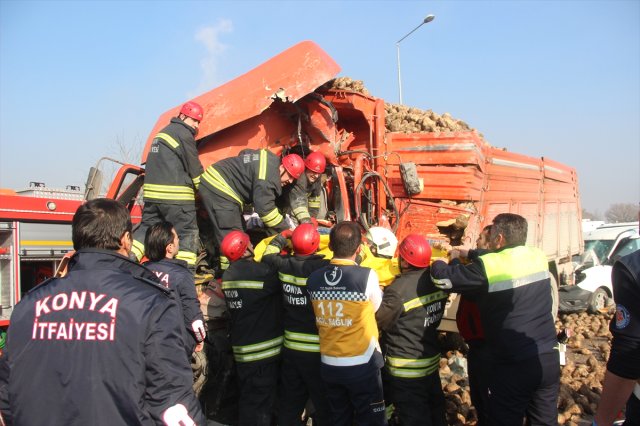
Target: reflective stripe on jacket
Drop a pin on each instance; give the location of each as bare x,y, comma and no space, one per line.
302,198
411,343
514,268
252,177
300,331
344,314
252,295
513,292
173,169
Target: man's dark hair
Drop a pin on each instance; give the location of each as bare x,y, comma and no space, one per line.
512,226
100,223
156,240
344,239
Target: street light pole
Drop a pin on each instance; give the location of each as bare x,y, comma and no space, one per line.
426,20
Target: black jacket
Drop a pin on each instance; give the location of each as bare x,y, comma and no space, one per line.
173,169
302,198
625,325
100,346
252,177
173,274
252,295
410,341
300,331
515,307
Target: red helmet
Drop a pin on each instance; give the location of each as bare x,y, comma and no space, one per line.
316,162
234,245
305,239
415,249
293,164
193,110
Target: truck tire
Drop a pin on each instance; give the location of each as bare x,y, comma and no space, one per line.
599,301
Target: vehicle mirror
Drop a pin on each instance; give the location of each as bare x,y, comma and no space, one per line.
94,183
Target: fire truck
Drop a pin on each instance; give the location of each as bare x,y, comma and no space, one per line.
35,234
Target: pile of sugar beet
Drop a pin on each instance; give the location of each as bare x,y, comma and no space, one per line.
402,118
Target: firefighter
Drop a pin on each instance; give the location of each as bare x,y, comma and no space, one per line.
253,177
524,366
172,176
303,197
621,381
253,297
409,317
345,297
162,244
300,373
98,346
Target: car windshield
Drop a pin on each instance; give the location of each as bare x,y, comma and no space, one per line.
599,248
627,247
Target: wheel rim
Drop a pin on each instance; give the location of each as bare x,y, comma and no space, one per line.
600,301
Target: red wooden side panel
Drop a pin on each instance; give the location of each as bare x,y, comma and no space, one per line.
449,164
443,183
558,171
428,219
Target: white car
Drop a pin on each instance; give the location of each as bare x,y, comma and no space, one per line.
602,247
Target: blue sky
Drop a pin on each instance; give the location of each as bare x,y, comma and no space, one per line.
556,79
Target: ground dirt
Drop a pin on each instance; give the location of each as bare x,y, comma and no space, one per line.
587,351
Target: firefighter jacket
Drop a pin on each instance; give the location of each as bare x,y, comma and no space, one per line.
174,274
411,341
625,325
300,331
302,198
100,346
345,297
173,169
253,177
252,294
513,292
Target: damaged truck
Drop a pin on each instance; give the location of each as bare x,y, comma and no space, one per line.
409,170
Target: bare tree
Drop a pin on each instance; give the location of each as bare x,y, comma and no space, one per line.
120,152
623,212
591,215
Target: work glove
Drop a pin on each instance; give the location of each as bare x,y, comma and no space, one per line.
198,329
287,233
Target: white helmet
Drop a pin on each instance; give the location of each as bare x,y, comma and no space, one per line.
383,241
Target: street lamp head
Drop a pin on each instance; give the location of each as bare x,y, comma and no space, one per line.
426,20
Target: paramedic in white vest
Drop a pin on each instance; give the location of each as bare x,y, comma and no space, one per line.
345,297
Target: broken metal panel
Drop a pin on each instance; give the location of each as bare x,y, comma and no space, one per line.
288,76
